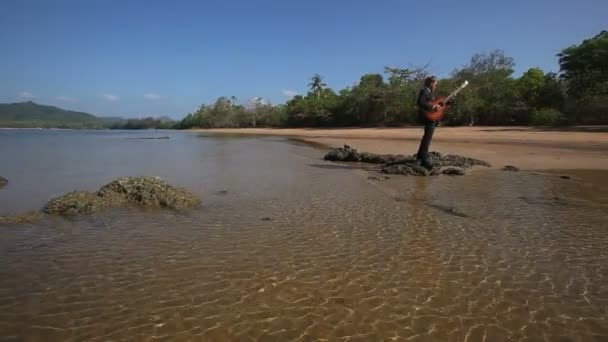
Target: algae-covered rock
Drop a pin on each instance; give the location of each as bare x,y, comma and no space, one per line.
3,182
148,191
75,202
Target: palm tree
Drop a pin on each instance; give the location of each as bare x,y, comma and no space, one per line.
317,85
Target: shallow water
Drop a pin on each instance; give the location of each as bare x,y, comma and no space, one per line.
288,247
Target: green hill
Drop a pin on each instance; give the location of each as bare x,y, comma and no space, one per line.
33,115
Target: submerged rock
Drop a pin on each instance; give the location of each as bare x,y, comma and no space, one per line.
20,219
510,168
3,182
447,210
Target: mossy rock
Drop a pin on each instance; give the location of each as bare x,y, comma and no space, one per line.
3,182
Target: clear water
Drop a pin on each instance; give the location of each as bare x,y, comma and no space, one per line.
287,247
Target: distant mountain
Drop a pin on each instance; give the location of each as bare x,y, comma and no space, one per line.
33,115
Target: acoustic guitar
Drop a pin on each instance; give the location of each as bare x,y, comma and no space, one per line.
442,104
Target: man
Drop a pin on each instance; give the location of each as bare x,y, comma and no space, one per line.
425,96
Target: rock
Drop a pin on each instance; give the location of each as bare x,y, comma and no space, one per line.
222,192
453,171
406,164
76,202
462,162
406,169
510,168
148,191
3,182
345,153
266,219
144,191
564,177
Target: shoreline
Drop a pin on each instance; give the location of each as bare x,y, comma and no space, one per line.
582,148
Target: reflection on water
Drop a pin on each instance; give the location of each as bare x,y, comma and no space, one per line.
285,250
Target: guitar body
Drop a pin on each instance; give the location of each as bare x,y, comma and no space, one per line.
439,113
442,103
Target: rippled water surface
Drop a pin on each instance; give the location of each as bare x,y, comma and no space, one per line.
288,247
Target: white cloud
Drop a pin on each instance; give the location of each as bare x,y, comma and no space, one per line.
152,96
289,93
66,98
259,100
26,95
111,98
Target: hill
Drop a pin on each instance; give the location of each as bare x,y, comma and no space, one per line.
33,115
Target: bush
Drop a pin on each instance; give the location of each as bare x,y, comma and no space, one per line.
547,117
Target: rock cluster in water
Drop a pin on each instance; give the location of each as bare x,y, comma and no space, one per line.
141,191
3,182
144,191
406,164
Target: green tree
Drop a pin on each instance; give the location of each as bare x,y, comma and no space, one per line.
584,68
531,85
317,84
491,96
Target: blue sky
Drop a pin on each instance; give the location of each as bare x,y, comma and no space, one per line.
135,58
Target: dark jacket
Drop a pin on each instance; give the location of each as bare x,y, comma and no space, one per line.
424,106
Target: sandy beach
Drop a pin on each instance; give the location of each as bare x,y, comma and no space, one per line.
577,148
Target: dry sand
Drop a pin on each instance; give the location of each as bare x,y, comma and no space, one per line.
582,148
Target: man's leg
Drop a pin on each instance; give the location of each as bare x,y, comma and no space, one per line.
425,143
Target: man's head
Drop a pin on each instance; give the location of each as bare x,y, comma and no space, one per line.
430,82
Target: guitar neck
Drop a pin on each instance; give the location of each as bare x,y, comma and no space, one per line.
455,92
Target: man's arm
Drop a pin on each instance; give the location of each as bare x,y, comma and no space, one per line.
424,100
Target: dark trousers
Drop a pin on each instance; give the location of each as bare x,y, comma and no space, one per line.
423,150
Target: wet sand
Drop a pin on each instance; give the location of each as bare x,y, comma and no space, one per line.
527,148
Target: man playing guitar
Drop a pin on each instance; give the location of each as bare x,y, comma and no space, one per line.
430,112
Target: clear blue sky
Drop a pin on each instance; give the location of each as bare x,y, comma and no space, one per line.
135,58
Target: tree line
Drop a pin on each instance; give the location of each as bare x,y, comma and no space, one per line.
578,94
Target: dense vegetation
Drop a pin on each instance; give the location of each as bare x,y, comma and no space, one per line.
577,95
33,115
